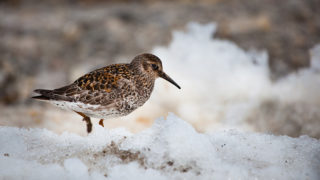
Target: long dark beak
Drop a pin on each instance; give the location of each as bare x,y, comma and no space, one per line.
166,77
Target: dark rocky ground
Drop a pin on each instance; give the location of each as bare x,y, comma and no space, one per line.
51,43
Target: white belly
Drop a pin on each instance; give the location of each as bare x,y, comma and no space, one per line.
96,111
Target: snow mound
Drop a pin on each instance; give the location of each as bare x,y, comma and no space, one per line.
170,149
224,86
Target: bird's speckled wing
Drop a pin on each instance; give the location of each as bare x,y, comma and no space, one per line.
102,86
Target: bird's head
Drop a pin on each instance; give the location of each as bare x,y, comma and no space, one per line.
151,65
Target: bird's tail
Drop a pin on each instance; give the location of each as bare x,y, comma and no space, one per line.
44,94
61,94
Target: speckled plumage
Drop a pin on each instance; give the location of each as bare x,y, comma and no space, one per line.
112,91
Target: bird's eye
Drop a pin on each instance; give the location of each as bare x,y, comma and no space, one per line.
154,66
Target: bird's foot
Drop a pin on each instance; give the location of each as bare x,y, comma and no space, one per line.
101,122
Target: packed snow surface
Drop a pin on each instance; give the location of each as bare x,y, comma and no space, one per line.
170,149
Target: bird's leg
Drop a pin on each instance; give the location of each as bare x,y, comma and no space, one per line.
89,124
101,122
87,120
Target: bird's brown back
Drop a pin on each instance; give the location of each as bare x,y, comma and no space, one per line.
100,86
104,79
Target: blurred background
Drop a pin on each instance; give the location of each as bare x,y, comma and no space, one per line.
48,44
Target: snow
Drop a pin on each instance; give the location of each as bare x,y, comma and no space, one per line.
170,149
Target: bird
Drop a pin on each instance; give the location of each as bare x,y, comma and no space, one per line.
111,91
